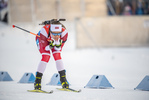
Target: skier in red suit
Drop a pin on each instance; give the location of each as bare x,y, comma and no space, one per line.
51,41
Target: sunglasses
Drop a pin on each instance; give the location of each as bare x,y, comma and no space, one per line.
55,34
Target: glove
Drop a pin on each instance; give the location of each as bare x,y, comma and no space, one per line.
51,43
58,43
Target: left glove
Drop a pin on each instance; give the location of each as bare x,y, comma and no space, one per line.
58,43
55,44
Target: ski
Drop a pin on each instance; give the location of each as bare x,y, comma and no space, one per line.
40,91
68,89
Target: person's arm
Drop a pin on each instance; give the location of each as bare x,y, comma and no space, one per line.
43,38
64,37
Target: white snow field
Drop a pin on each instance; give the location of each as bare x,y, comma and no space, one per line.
123,67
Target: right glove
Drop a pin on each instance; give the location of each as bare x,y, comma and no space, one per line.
51,43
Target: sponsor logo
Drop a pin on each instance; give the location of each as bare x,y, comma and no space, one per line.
56,27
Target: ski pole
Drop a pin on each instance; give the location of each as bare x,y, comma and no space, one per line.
24,30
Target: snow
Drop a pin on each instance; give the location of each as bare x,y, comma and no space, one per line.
123,67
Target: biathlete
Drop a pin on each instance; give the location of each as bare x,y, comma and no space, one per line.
51,41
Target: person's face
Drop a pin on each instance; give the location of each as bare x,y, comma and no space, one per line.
56,35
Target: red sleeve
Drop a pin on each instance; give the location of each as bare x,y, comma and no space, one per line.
43,41
65,38
64,35
43,38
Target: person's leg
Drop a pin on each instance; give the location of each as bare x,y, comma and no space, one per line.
40,70
58,61
60,69
43,63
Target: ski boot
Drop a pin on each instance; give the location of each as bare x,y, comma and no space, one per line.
37,84
63,79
